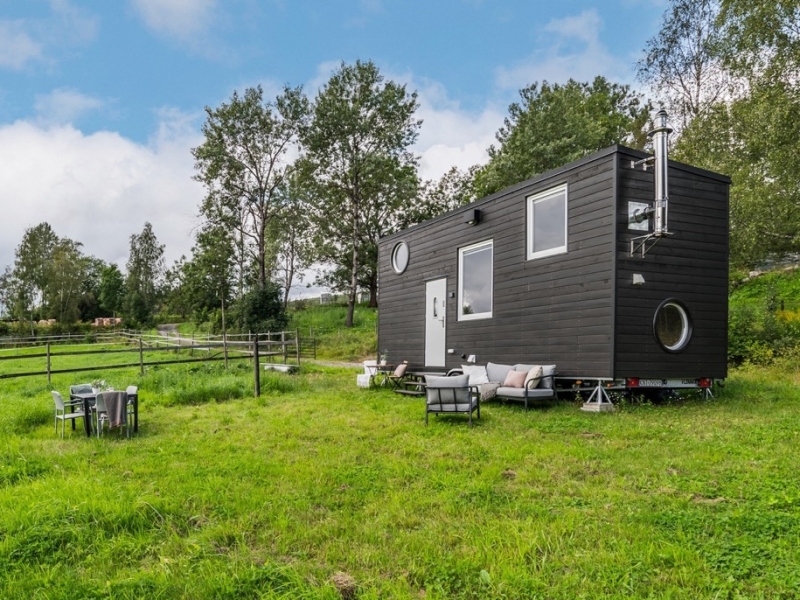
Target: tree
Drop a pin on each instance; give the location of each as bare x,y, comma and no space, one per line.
555,124
762,39
33,259
145,270
754,140
294,251
357,167
89,301
66,274
262,309
244,161
455,188
111,290
208,277
682,64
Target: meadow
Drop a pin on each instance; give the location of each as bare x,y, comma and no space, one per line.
320,490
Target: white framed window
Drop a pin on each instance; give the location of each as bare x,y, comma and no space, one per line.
400,257
475,281
672,325
547,223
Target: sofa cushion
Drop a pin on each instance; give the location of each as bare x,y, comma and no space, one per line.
533,377
497,373
447,390
515,379
547,382
519,393
477,374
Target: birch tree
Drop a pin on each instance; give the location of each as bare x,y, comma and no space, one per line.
358,167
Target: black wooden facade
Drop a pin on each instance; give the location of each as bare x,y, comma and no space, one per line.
580,309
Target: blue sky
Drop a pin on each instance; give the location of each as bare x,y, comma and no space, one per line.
101,102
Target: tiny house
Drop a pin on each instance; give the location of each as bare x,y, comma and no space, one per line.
613,267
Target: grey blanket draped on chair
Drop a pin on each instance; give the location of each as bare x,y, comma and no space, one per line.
116,407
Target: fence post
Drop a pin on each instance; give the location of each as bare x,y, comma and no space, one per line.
141,356
297,344
48,363
256,374
283,345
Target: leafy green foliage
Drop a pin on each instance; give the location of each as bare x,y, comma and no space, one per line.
244,166
555,124
143,282
357,170
683,64
754,139
764,319
112,290
262,309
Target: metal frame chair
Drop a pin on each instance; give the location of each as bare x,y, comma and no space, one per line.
450,395
61,406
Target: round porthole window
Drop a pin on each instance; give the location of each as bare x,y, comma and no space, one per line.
400,257
672,326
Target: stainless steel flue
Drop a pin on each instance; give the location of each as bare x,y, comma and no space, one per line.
660,137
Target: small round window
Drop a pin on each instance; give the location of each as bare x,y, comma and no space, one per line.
672,326
400,257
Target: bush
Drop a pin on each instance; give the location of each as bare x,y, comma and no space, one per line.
759,335
262,309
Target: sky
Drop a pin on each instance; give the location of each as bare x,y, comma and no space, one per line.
101,102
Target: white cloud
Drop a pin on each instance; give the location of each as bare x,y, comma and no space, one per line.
63,106
98,189
451,136
70,25
17,48
572,49
182,19
26,41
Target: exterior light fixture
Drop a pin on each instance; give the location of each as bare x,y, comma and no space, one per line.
475,217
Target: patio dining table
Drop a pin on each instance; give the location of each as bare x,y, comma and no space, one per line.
89,399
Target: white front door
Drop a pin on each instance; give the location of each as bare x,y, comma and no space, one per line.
435,322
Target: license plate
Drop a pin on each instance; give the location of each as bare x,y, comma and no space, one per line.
652,382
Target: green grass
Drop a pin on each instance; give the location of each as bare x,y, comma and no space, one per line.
222,495
770,289
334,340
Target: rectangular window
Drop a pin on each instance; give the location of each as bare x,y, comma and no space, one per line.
475,281
547,223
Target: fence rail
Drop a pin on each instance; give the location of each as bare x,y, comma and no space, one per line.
285,346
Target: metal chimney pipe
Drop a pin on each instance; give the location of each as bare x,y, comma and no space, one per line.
660,137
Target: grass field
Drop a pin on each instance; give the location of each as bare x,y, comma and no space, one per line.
318,484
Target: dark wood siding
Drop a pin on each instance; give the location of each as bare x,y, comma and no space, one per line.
690,266
557,309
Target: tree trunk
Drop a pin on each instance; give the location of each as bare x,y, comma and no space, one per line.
351,302
373,292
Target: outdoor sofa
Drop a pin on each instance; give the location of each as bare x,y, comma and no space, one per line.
518,382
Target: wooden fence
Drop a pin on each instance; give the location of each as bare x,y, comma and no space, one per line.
283,346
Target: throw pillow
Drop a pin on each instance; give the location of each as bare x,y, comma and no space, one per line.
400,370
515,379
533,377
498,372
547,382
477,374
